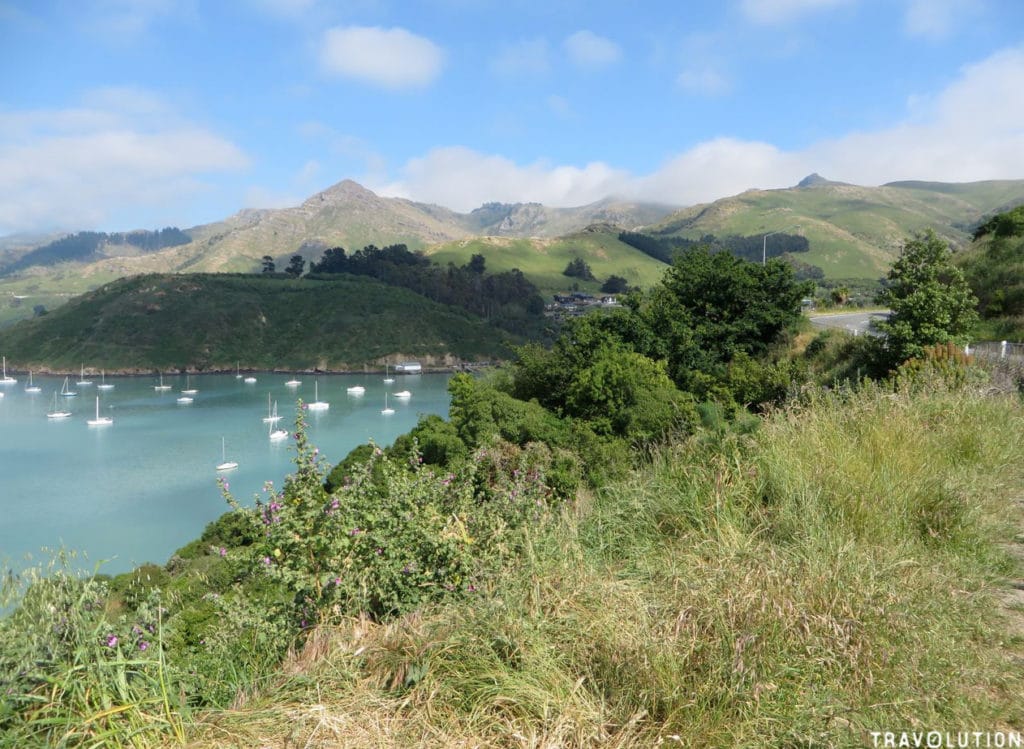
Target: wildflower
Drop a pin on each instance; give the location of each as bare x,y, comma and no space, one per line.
223,551
227,486
143,645
111,641
266,561
380,550
354,532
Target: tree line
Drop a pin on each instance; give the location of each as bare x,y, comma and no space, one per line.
507,300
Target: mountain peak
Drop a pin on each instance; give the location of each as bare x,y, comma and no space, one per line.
813,180
344,191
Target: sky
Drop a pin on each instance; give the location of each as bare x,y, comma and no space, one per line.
125,114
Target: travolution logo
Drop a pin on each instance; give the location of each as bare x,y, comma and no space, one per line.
947,739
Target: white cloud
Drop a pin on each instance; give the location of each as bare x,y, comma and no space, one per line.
705,81
781,11
529,57
462,178
76,166
588,50
936,19
393,58
942,139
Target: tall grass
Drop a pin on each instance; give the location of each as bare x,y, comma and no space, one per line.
72,674
830,575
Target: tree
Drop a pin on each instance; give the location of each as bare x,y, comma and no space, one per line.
578,268
268,264
929,299
295,266
615,285
477,264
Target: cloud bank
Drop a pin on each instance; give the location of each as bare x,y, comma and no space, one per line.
945,140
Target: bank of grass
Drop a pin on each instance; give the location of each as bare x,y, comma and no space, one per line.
832,574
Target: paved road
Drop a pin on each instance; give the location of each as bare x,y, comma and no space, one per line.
857,323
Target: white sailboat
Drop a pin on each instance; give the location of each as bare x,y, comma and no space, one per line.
161,387
4,379
238,371
293,383
99,421
317,404
386,411
276,435
66,390
356,390
403,394
250,380
388,379
189,390
31,388
81,378
225,464
104,385
55,412
271,417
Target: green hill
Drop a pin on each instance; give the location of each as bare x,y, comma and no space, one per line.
994,267
543,260
854,232
213,321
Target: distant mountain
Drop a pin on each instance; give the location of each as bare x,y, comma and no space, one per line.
350,216
854,232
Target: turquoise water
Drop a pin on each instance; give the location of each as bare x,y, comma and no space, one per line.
139,489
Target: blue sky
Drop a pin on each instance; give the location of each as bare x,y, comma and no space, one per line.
121,114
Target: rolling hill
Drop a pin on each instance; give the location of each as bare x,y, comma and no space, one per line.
204,322
854,232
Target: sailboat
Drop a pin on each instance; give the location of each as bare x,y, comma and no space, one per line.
356,390
238,371
271,417
387,377
55,412
189,390
30,388
293,383
66,390
99,421
386,411
81,378
276,434
403,394
317,404
103,384
161,387
225,464
5,380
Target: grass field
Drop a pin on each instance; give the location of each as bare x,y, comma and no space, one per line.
543,260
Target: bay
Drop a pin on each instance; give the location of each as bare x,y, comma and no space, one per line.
139,489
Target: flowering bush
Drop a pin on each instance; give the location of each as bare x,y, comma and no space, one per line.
397,533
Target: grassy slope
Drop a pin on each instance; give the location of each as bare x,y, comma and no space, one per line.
543,260
833,575
855,232
212,321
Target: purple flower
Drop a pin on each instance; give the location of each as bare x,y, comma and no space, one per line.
380,550
266,561
223,551
354,532
227,486
111,641
143,645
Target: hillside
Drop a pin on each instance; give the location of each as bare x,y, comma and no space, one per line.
543,260
211,321
854,231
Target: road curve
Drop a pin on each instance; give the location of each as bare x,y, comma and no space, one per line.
857,323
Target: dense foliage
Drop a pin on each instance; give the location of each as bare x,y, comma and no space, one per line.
507,300
265,321
749,248
930,301
994,268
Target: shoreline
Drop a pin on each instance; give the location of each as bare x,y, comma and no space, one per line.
314,371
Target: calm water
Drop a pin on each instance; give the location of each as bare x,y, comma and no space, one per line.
141,488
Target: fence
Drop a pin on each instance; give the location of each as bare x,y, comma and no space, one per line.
996,350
